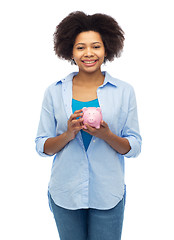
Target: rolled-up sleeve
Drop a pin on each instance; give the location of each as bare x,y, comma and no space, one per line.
47,124
131,128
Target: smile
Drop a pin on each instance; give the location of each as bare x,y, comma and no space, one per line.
89,63
92,61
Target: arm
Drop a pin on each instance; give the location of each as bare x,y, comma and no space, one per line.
120,144
55,144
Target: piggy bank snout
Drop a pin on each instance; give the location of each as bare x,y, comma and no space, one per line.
91,118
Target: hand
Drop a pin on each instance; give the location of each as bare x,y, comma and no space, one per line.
103,132
74,124
119,144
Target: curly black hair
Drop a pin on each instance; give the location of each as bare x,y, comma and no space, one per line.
77,22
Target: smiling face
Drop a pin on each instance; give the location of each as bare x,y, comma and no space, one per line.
89,51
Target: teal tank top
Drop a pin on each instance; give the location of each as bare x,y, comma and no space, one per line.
76,105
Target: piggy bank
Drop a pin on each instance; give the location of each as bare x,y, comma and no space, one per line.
92,116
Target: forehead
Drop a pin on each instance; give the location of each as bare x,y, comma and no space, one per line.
88,37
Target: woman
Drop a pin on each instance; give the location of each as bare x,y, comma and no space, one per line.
86,189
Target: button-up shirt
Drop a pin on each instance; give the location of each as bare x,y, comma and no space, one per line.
92,178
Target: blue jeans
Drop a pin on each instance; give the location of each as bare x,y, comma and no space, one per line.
89,224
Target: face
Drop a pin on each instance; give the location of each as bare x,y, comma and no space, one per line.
88,51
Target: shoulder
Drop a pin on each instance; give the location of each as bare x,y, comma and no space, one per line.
61,81
57,84
120,84
53,89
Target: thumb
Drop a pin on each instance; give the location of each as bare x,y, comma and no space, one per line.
103,123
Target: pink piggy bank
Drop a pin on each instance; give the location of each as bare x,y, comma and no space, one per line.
92,116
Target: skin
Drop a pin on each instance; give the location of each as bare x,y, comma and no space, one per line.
88,46
88,53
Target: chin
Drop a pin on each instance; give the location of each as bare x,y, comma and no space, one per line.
89,70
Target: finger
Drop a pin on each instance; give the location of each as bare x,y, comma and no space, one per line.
76,121
89,128
75,115
103,123
85,129
78,111
77,129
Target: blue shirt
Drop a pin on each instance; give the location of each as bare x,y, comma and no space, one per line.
92,178
76,105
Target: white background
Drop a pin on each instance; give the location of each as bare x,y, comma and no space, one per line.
29,65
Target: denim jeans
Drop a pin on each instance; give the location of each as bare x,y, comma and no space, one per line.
89,224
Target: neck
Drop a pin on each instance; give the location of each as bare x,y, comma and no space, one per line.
94,78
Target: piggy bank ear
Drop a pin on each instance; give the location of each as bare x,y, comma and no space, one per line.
98,109
84,109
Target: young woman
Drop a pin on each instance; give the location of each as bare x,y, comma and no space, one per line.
86,189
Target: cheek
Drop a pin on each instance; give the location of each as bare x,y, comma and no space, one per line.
75,54
77,57
102,56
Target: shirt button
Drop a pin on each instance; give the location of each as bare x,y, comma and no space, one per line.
94,141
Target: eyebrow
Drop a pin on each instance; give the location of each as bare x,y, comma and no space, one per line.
85,44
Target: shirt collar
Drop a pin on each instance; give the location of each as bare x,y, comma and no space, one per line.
67,78
108,78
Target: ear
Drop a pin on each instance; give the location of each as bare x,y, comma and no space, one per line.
104,61
72,60
84,109
98,109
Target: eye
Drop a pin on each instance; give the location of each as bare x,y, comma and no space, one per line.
97,46
80,48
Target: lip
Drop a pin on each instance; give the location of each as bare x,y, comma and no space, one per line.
90,62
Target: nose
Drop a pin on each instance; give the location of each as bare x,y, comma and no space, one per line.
91,119
89,53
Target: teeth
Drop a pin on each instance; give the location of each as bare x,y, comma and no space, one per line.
89,61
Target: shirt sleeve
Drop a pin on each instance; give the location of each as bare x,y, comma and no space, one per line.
47,124
131,128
